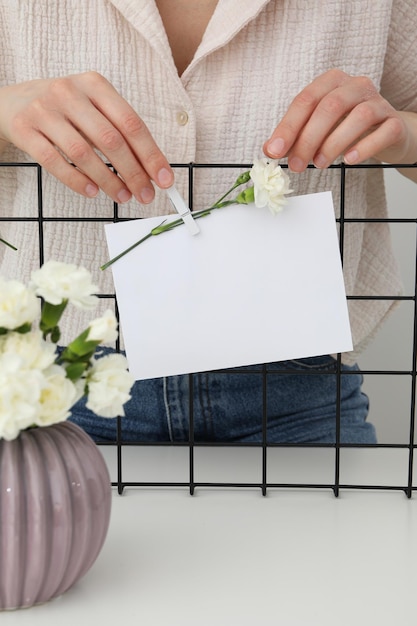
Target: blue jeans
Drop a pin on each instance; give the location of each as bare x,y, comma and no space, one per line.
227,406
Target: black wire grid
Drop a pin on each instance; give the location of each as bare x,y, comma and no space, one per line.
264,484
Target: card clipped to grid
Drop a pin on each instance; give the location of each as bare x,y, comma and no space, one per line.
251,288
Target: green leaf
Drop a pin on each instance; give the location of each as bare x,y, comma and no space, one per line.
24,328
51,314
162,228
80,346
75,370
55,334
246,196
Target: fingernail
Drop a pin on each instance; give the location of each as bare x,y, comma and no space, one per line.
124,195
276,147
91,190
146,195
165,177
351,157
320,160
296,164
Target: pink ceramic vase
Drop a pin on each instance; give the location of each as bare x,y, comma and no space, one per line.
55,501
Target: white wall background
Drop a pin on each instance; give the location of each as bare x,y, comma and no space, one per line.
389,395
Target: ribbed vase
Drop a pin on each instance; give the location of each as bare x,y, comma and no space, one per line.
55,502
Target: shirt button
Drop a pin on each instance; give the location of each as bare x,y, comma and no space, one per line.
182,118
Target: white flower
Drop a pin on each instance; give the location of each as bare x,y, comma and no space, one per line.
18,304
40,384
56,281
80,389
103,329
109,385
20,391
35,353
57,397
271,184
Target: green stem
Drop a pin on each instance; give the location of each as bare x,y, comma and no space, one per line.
235,186
8,244
162,228
197,214
119,256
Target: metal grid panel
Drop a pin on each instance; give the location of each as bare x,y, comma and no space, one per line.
265,447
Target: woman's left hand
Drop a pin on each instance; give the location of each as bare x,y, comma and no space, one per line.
338,114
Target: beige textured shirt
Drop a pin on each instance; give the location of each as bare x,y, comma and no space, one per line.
255,56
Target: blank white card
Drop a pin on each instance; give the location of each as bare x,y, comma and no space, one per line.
250,288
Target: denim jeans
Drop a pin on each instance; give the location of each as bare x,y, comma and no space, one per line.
227,406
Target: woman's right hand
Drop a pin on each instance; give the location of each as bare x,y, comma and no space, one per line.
60,122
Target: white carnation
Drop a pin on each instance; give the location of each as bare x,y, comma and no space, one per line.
18,304
34,351
57,397
103,329
20,391
56,281
271,184
79,389
109,385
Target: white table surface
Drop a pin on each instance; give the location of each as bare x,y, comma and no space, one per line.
297,557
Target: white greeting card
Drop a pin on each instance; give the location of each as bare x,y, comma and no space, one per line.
250,288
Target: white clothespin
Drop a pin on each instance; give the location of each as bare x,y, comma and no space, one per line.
182,209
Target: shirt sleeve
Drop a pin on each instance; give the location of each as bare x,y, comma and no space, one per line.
399,79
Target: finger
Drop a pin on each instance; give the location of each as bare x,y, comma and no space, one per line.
300,111
110,142
387,135
34,142
339,119
79,152
46,154
133,129
363,120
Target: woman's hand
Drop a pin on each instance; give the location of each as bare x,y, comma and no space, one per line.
60,121
338,114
